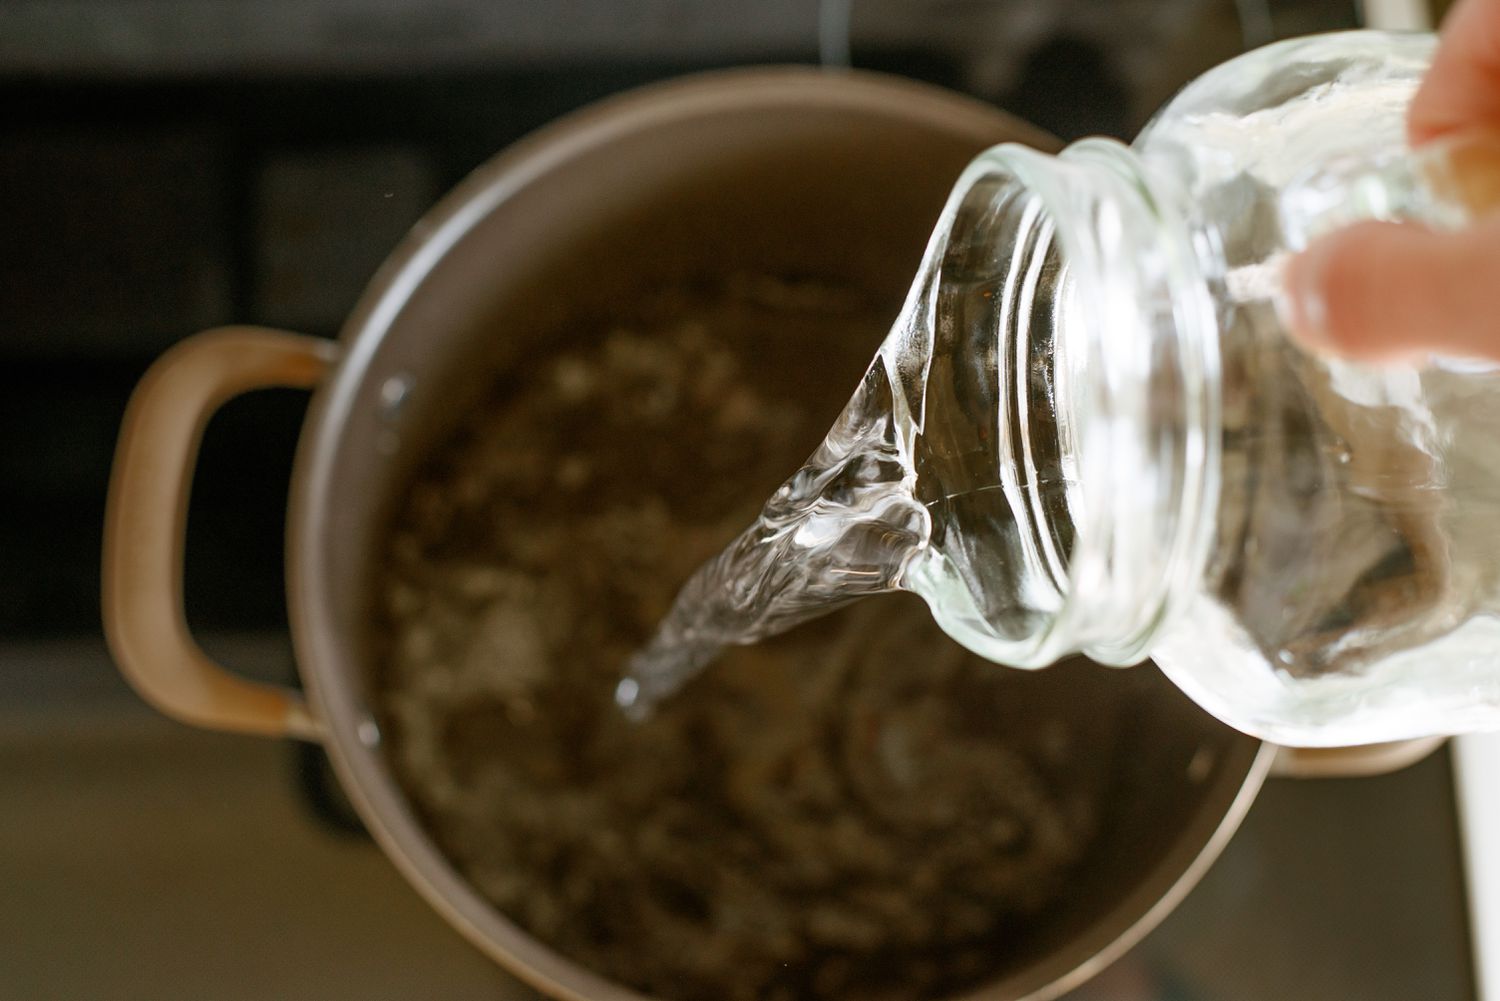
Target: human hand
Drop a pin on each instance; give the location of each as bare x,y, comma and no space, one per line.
1387,290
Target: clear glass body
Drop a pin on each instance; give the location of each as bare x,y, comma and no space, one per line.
1122,453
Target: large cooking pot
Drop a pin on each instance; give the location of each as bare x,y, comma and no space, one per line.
782,171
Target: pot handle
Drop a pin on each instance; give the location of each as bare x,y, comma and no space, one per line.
1351,762
146,517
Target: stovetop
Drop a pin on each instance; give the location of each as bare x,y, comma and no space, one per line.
165,167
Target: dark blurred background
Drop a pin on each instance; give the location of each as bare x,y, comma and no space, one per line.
171,165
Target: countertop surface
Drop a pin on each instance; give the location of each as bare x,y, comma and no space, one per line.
140,858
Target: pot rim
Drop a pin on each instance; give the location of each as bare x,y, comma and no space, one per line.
351,733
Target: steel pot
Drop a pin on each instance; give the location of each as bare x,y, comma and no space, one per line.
788,169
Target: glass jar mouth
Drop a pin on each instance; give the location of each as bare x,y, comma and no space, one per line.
1108,399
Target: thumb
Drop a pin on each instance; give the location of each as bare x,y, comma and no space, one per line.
1388,290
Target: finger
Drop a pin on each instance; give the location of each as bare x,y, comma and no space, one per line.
1462,89
1383,290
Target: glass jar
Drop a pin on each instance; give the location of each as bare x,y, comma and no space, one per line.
1123,454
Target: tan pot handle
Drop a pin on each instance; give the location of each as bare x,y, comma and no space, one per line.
146,518
1351,762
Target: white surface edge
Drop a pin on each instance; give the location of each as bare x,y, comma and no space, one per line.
1476,764
1397,15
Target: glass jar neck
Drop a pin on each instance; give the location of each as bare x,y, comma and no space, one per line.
1104,343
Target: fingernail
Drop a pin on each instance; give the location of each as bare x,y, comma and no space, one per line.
1300,307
